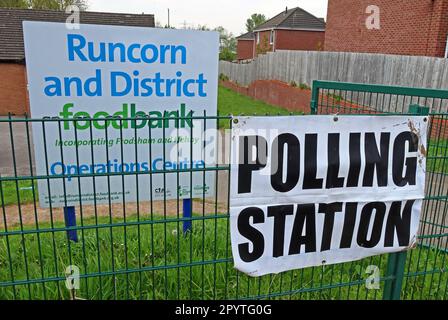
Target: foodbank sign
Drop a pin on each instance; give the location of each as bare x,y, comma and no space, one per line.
123,102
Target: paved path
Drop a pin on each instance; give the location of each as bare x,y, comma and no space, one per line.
21,151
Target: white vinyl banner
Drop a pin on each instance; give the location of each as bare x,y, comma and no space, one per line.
121,73
318,190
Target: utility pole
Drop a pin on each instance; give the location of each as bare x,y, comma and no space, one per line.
169,18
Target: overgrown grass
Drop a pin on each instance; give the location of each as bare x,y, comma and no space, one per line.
155,261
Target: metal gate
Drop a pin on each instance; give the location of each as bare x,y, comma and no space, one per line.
157,250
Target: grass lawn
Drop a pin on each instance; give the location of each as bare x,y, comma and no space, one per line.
10,196
230,102
437,160
152,251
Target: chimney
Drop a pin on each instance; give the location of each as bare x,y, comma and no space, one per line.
286,10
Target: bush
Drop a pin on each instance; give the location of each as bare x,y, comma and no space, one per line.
223,77
227,55
304,86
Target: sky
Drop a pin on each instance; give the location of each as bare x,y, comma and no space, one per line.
231,14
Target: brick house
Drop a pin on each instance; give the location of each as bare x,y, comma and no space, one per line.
245,48
292,29
407,27
13,91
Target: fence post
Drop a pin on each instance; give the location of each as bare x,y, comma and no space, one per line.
70,221
314,98
187,226
397,261
395,269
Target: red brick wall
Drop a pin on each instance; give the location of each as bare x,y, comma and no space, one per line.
13,91
441,20
245,49
299,40
408,27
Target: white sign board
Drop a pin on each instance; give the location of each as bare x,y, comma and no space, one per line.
122,72
318,190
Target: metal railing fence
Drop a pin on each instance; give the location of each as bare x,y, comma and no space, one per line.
155,249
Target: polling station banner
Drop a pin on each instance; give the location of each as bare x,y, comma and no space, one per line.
150,83
319,190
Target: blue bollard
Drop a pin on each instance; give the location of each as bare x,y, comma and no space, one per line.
70,221
187,214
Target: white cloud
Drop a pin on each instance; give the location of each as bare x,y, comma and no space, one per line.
230,14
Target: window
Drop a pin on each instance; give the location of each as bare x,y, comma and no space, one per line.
271,38
258,37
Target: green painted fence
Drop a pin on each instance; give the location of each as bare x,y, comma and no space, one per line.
421,272
139,250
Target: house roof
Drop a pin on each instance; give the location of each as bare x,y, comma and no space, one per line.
11,32
247,36
295,18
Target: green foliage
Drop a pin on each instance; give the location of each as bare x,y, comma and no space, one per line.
22,4
227,44
44,4
254,21
304,86
159,25
202,28
223,77
263,46
227,41
335,97
227,55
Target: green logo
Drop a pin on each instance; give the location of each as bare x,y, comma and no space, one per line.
120,120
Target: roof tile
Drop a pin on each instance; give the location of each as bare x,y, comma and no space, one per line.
11,32
295,18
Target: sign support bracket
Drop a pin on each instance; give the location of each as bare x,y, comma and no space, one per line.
70,221
187,214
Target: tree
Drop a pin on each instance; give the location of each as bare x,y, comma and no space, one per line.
202,28
254,21
14,4
226,39
227,44
227,55
159,25
57,4
44,4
